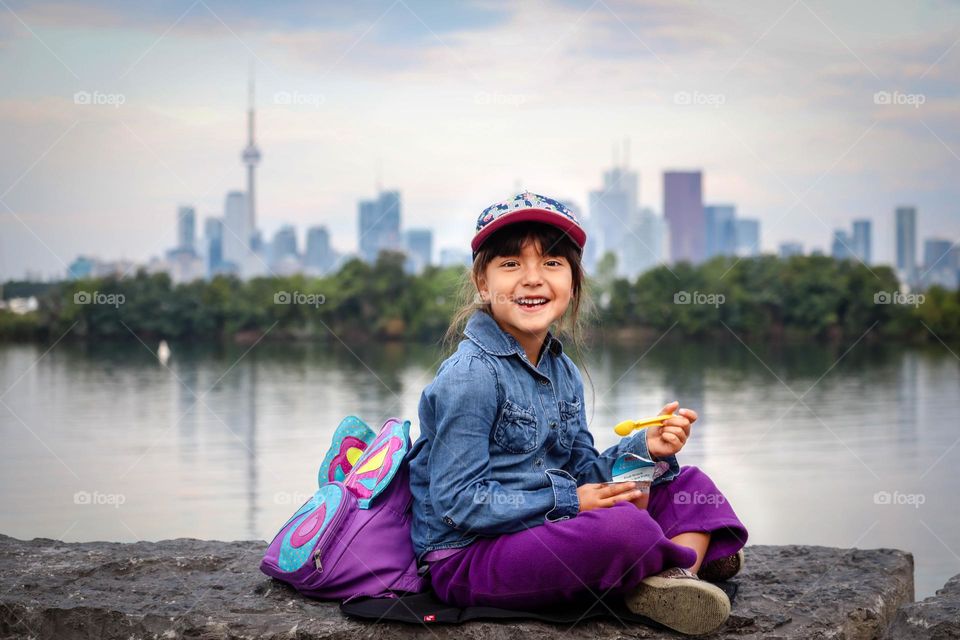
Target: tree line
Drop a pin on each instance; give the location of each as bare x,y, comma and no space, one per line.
762,297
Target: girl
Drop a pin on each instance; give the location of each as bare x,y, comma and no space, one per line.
509,508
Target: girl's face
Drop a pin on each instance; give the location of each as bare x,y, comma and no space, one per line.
528,292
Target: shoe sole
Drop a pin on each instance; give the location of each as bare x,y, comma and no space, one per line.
692,607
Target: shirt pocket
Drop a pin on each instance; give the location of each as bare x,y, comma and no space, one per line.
570,417
517,430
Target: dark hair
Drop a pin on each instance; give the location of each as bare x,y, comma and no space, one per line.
508,241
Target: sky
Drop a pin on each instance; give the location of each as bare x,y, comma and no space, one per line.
806,114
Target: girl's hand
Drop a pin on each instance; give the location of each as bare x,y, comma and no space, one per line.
666,440
596,495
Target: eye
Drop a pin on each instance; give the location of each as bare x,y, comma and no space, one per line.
509,263
555,262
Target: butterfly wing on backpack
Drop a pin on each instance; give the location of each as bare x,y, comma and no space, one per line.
352,538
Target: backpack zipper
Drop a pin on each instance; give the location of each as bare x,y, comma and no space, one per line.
334,524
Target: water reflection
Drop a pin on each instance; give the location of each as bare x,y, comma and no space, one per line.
802,438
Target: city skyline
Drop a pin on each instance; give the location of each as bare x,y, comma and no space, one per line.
101,149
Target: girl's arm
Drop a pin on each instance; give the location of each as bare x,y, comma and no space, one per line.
588,465
462,404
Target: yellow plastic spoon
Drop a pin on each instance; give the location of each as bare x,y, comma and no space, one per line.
624,428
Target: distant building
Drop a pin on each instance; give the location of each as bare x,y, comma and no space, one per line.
379,225
683,211
747,231
790,249
721,232
418,245
183,265
612,212
906,225
319,257
284,244
81,267
861,241
840,249
213,243
939,263
186,228
644,244
237,232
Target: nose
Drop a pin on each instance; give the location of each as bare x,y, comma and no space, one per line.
532,275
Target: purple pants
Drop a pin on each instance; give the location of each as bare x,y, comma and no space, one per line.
598,551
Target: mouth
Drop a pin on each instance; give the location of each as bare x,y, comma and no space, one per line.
531,303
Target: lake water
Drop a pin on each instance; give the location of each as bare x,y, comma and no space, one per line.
811,444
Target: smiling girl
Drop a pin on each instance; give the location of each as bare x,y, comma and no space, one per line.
512,503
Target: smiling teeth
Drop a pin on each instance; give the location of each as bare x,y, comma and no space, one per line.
531,301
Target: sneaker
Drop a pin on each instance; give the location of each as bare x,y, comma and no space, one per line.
678,599
722,568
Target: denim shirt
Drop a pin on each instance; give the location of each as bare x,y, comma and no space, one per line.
503,442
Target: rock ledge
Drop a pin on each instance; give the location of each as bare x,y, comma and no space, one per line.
210,589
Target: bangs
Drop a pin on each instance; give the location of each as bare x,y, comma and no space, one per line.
550,241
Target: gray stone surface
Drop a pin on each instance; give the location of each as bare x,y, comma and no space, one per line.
935,618
209,589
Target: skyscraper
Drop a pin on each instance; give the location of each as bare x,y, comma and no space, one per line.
318,257
379,227
747,232
612,209
418,245
840,249
683,211
284,245
906,223
186,229
861,241
618,225
236,233
643,249
939,263
213,239
721,233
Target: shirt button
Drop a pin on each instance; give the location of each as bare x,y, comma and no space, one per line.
553,425
545,382
539,462
448,520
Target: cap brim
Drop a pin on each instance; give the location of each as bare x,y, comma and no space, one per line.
532,215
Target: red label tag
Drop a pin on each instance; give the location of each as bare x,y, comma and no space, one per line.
429,618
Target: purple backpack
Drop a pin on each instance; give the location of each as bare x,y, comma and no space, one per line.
352,538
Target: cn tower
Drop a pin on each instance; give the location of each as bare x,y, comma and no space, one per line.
251,158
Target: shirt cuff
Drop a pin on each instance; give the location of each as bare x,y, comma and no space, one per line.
637,443
565,500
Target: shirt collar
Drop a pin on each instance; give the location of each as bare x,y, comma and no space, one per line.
487,334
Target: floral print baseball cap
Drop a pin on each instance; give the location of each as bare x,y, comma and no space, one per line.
525,207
